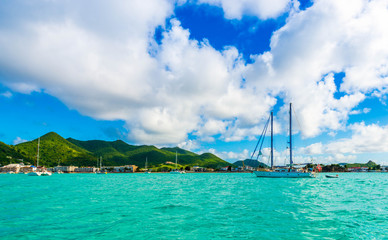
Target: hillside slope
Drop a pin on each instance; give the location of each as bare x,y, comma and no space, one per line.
8,154
121,153
53,149
251,163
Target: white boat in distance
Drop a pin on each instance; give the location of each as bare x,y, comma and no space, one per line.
35,171
332,176
100,171
145,168
46,173
283,172
176,171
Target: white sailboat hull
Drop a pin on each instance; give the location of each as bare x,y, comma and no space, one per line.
34,173
269,174
177,172
46,173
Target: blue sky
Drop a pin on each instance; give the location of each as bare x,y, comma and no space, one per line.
202,75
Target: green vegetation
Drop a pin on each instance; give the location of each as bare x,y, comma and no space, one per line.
370,164
8,154
54,149
251,163
345,167
121,153
333,168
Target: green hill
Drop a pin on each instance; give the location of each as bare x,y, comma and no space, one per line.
179,150
369,164
8,154
121,153
53,149
251,163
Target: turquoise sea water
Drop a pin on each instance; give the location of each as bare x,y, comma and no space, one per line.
193,206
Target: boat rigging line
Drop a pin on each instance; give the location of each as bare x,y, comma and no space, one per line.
261,140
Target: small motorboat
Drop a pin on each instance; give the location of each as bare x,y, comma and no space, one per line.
332,176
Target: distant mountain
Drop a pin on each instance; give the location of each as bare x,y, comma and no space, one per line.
121,153
370,164
251,163
55,149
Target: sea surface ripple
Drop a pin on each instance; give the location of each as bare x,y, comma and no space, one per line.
193,206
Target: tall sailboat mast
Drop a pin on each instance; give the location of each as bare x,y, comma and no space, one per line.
271,140
176,160
283,172
290,135
37,155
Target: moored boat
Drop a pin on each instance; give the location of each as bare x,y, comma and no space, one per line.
45,173
100,171
35,171
332,176
146,170
176,170
285,173
282,172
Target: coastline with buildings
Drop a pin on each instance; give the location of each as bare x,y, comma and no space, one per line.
21,168
75,156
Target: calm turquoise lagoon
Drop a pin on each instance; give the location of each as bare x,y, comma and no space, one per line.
193,206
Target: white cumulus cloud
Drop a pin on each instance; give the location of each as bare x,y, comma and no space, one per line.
103,61
329,37
261,8
18,140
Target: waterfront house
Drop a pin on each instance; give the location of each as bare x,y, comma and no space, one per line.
358,169
354,169
16,168
66,169
86,169
225,168
199,169
125,169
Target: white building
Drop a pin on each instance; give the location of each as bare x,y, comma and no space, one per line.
16,167
66,169
126,168
86,169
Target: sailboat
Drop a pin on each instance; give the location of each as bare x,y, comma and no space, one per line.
176,170
35,171
58,171
146,169
284,172
100,171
